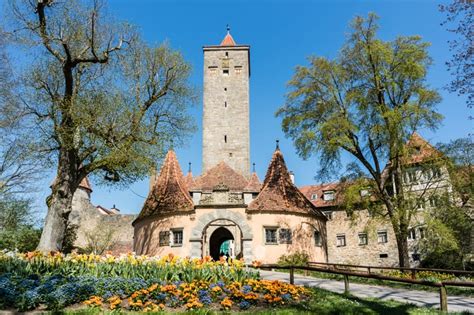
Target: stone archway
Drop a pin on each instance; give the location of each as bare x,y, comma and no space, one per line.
221,236
197,233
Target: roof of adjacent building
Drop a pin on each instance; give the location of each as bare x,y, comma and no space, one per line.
254,184
420,150
278,192
169,193
315,193
221,174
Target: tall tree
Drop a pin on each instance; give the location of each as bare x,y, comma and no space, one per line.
367,102
460,21
96,98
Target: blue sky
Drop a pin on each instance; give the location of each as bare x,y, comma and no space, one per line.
281,34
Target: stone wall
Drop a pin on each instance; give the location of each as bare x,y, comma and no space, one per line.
373,253
87,219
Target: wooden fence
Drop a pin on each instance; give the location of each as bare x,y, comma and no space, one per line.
443,297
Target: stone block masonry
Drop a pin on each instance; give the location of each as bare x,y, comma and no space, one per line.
226,132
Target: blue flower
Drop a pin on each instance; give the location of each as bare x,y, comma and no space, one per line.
286,297
244,305
246,289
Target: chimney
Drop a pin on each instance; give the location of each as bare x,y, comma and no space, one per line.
292,177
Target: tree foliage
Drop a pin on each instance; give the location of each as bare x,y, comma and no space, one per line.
460,21
98,99
447,242
367,102
18,229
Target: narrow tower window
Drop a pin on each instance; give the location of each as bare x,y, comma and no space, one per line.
225,138
225,89
225,104
225,71
227,54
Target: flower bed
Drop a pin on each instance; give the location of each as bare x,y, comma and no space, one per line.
169,267
199,294
55,281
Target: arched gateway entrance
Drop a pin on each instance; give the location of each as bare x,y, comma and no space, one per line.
222,225
221,243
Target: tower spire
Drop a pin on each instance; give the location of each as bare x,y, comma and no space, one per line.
228,39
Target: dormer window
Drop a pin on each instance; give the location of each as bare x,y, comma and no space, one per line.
329,195
314,197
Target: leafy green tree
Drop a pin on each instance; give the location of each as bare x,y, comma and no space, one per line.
460,20
447,242
17,225
367,102
97,99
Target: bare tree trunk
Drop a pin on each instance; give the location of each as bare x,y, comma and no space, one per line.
402,245
60,204
55,224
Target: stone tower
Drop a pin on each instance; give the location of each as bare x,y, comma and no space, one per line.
226,132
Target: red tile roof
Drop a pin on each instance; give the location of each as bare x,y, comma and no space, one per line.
169,194
279,193
254,184
228,40
318,192
218,175
419,150
85,184
189,180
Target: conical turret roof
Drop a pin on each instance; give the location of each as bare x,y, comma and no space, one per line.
169,193
254,184
279,193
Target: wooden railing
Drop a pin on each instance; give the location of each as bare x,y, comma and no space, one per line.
413,271
443,297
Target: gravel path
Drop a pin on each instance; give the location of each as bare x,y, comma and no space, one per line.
420,298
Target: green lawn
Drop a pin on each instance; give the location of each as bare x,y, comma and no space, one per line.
321,302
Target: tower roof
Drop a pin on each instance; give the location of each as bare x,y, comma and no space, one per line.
220,174
228,40
169,193
85,184
279,193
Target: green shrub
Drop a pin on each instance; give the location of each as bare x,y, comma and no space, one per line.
296,259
